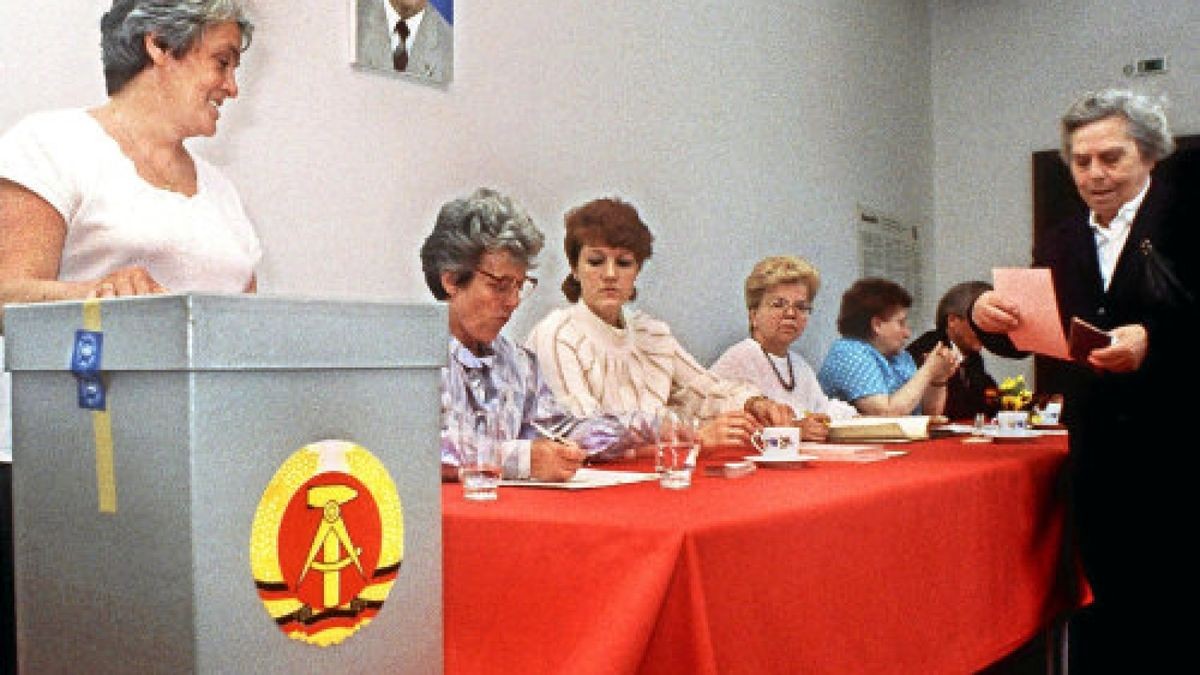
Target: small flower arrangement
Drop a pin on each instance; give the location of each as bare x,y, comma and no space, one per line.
1015,394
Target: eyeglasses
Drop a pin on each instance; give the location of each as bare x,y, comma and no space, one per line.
506,285
781,305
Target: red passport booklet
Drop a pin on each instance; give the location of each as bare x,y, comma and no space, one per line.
1084,338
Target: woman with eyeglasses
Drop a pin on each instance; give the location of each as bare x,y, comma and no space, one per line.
779,295
477,260
600,356
869,366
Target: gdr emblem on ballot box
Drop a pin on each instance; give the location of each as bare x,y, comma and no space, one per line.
327,542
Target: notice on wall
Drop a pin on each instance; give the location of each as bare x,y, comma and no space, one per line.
891,249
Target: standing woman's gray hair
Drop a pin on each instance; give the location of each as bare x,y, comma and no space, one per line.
469,227
177,25
1147,122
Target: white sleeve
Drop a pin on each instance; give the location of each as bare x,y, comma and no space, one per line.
33,155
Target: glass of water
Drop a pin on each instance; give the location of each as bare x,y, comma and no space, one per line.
479,453
677,447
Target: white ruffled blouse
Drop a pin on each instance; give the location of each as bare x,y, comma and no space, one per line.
594,367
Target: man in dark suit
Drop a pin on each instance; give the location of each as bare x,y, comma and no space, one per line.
1122,267
967,389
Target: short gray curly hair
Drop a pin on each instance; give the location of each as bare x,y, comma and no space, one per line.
1147,122
176,23
467,228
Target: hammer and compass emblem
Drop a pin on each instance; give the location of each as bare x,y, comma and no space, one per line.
327,542
330,541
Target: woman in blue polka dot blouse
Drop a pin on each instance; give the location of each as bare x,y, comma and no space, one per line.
868,365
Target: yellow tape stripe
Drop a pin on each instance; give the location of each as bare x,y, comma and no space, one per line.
91,314
106,474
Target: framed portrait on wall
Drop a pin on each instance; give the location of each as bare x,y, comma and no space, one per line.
409,38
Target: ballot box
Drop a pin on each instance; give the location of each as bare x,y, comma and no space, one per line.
227,484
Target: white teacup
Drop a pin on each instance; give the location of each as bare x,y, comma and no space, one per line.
777,441
1050,414
1012,422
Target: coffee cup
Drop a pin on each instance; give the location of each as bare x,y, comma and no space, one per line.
777,441
1050,414
1012,423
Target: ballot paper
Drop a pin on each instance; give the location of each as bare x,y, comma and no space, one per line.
1032,290
585,479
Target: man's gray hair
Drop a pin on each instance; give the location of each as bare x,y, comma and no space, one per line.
176,24
469,227
958,300
1147,122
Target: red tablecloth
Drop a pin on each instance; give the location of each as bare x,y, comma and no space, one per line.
941,561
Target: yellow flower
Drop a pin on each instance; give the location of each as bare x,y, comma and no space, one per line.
1014,394
1013,385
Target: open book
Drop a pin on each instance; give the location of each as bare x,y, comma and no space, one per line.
871,428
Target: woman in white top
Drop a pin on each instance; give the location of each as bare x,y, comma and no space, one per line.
601,357
108,202
779,295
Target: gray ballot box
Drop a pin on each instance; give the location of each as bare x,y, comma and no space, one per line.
227,484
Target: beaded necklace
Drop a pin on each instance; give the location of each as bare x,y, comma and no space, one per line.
786,384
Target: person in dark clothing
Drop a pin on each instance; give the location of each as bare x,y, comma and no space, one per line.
966,390
1125,265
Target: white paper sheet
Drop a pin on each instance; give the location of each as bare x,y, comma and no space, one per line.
585,479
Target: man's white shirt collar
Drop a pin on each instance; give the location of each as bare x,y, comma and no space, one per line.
414,23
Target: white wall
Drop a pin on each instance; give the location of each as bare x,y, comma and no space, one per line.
738,129
1003,73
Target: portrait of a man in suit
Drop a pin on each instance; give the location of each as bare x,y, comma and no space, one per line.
414,37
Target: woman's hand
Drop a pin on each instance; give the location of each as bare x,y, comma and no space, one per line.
994,314
814,427
769,413
1127,351
126,281
941,362
731,428
553,461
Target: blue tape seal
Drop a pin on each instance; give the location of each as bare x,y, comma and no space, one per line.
91,393
87,357
88,353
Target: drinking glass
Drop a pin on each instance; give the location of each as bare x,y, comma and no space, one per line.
479,452
677,447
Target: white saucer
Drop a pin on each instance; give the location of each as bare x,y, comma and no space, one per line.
781,460
1015,438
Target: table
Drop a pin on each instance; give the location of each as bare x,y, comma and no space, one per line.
941,561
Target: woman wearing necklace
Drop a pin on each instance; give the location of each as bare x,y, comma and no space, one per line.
108,201
599,356
779,299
